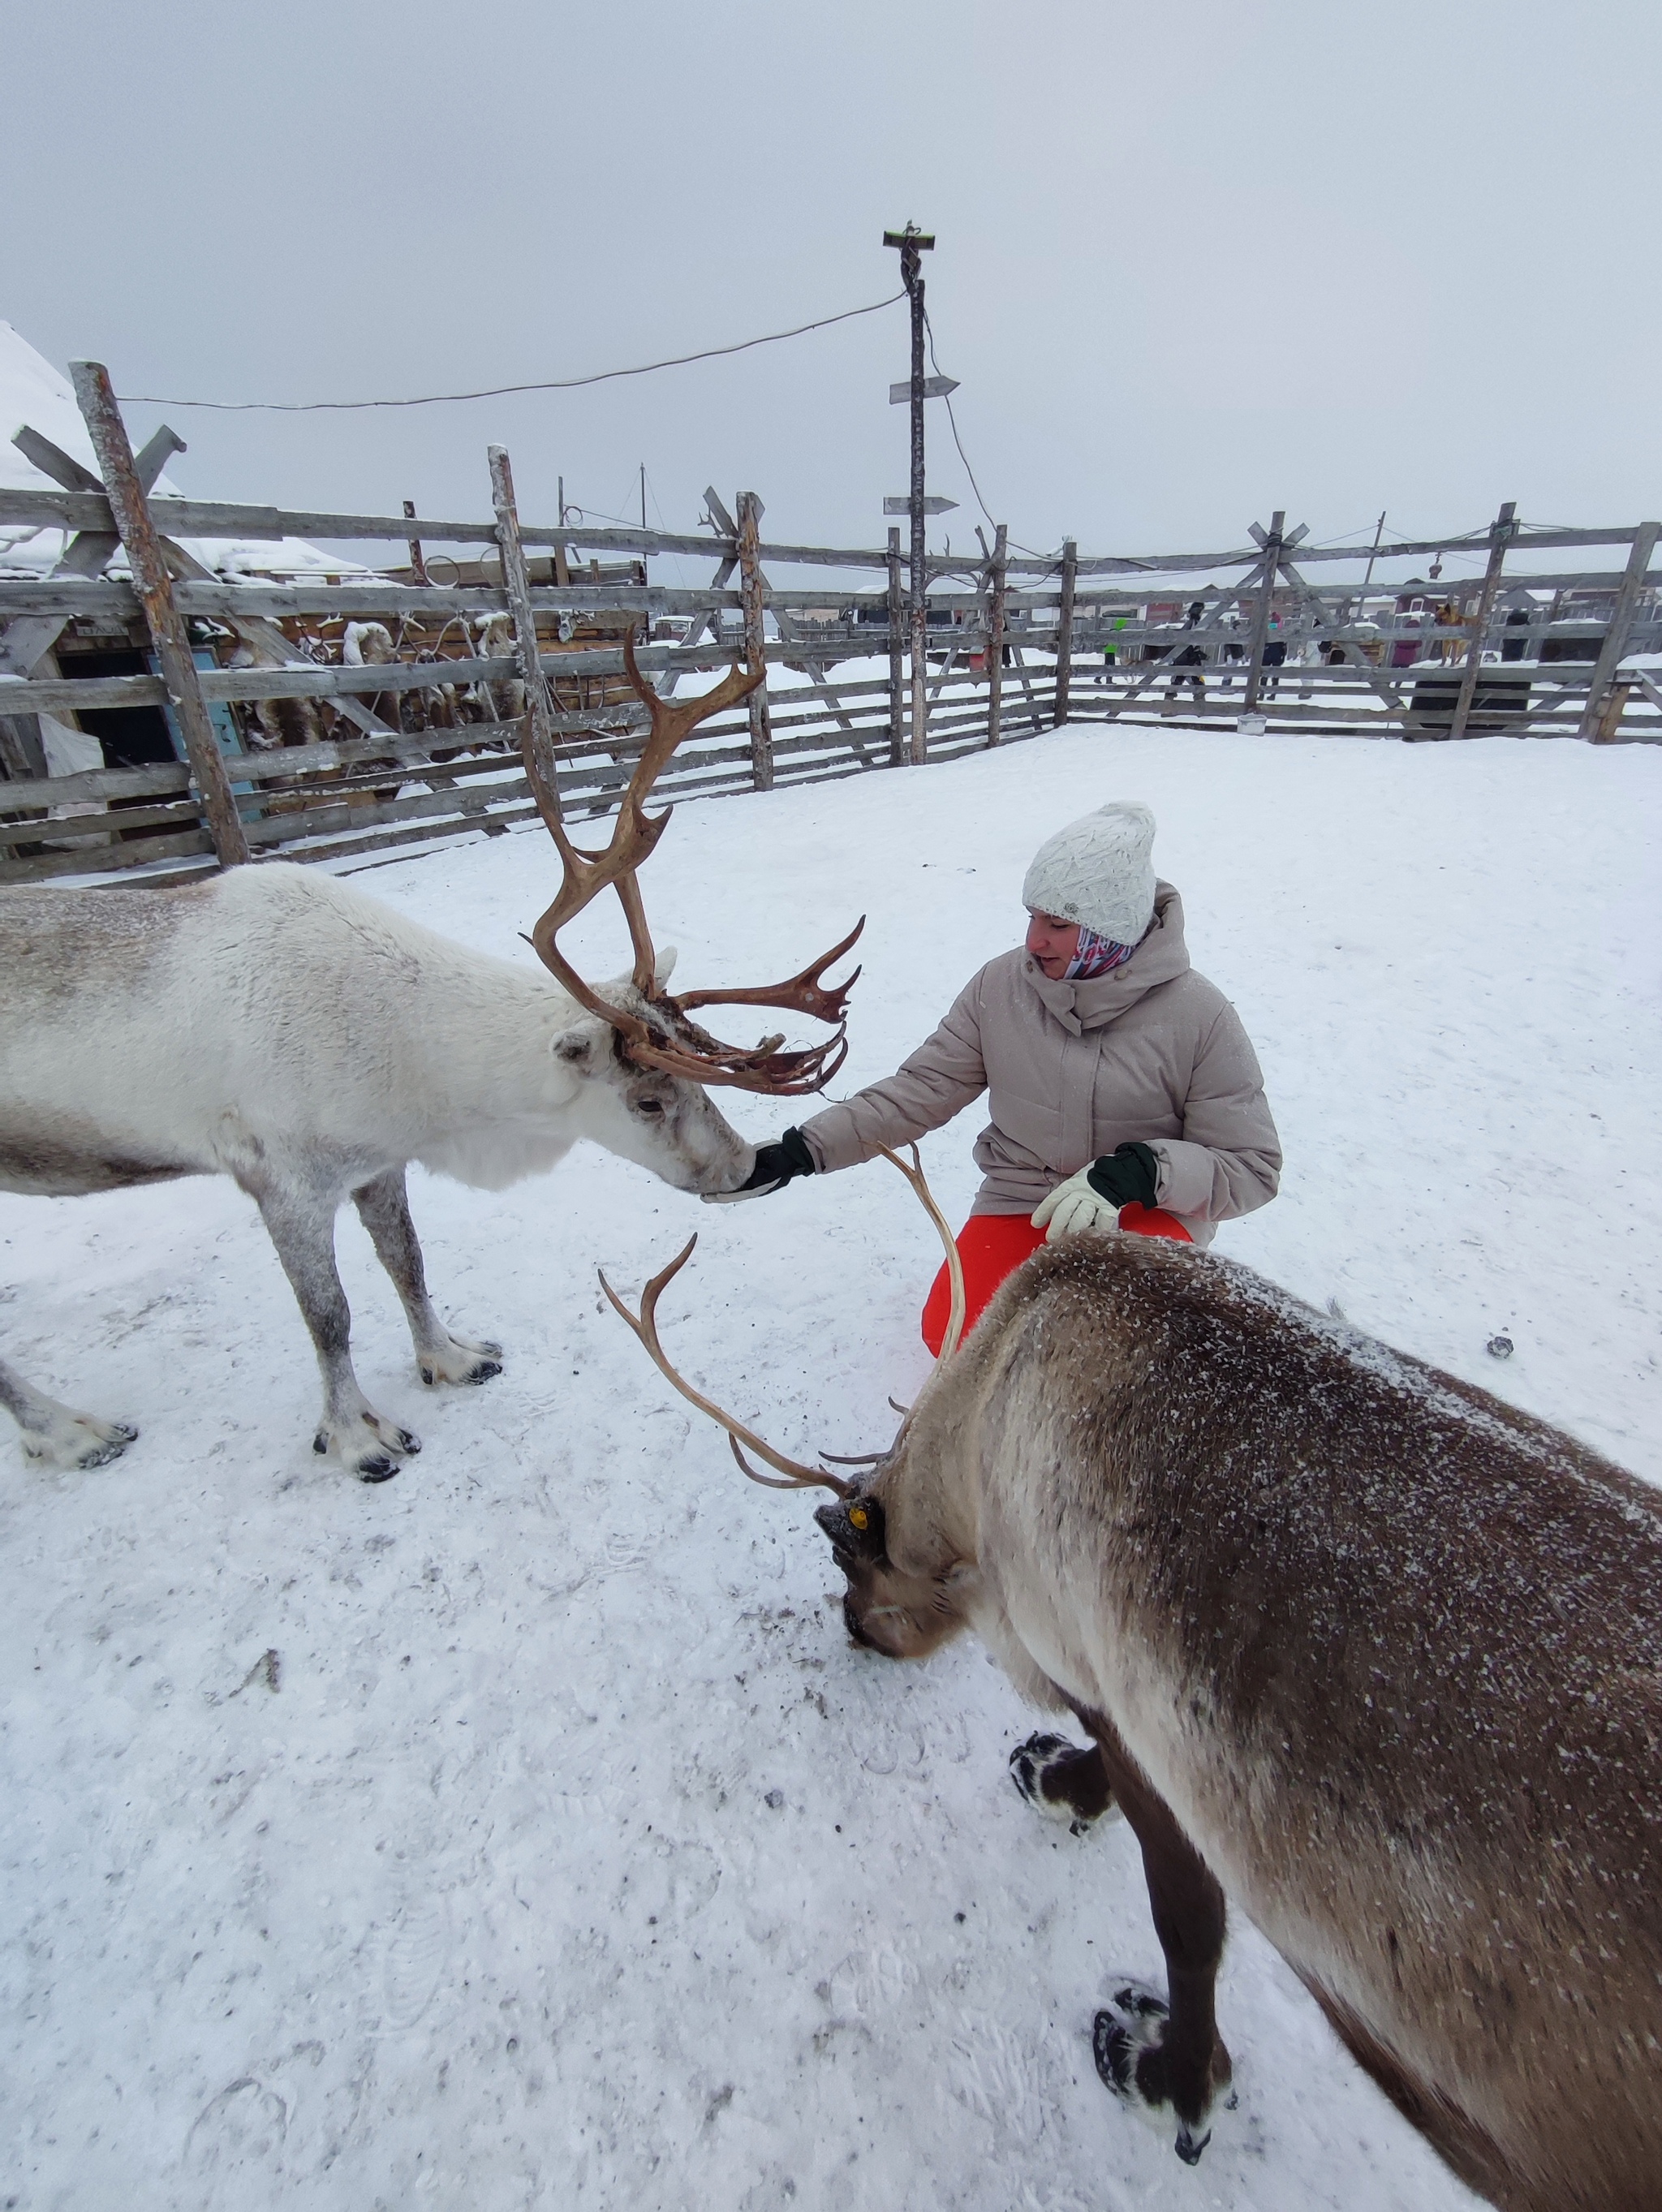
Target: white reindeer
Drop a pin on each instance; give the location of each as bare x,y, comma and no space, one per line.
276,1025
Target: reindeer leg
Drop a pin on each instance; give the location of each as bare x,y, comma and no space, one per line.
384,1208
301,1222
1164,2057
55,1435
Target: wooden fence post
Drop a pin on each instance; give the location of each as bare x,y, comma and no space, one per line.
918,748
417,558
1596,726
153,585
537,737
22,749
751,590
1065,632
999,566
896,655
1501,531
1262,609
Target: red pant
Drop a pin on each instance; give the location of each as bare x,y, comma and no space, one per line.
994,1245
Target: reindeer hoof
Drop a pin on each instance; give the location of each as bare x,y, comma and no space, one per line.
461,1360
71,1441
1061,1780
1128,2043
368,1446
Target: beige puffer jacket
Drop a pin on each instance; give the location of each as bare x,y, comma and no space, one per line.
1152,1054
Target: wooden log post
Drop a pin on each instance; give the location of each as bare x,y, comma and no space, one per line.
417,558
23,749
1065,632
917,749
998,579
1262,609
537,741
752,594
896,656
1502,531
153,585
1599,726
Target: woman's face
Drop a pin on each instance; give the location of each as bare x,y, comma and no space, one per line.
1052,942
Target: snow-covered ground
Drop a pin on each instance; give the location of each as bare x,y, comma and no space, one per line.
562,1852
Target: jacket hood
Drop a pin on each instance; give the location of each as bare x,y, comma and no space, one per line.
1091,1002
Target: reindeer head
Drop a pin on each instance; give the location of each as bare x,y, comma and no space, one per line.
904,1612
905,1607
662,1121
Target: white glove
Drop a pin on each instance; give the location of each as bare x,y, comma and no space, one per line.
1074,1207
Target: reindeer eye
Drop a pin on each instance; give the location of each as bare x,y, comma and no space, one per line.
649,1106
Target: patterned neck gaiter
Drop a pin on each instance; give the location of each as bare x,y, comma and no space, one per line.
1095,955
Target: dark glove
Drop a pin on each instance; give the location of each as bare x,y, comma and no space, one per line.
775,1166
1127,1176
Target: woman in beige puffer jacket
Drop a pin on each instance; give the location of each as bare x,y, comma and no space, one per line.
1123,1092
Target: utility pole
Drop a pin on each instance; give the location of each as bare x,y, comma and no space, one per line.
910,243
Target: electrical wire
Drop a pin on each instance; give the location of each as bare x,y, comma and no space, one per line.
501,390
952,419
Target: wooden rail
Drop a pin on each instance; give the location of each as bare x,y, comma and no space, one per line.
1017,643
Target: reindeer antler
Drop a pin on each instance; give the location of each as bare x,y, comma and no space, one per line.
645,1326
960,1305
680,1046
797,1476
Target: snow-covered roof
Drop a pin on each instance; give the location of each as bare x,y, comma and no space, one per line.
33,392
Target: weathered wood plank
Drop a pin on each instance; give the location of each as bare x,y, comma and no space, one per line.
998,579
138,535
537,735
1503,530
897,612
1621,627
751,587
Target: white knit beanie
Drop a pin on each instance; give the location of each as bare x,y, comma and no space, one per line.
1099,871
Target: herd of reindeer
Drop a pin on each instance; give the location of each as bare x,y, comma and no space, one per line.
1349,1640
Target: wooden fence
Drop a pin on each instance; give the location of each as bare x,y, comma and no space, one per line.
429,742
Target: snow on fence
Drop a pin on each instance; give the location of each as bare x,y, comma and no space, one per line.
435,727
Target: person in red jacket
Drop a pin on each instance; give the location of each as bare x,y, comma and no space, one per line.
1124,1092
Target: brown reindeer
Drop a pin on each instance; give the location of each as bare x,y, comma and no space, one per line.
1354,1642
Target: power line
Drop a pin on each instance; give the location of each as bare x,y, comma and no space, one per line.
952,420
502,391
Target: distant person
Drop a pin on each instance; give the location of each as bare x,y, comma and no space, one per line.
1516,648
1124,1092
1193,658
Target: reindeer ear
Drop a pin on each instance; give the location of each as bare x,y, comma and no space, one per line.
666,966
573,1047
854,1526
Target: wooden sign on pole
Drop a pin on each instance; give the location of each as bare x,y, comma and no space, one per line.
155,587
538,735
751,594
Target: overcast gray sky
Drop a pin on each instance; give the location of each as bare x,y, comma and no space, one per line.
1196,259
